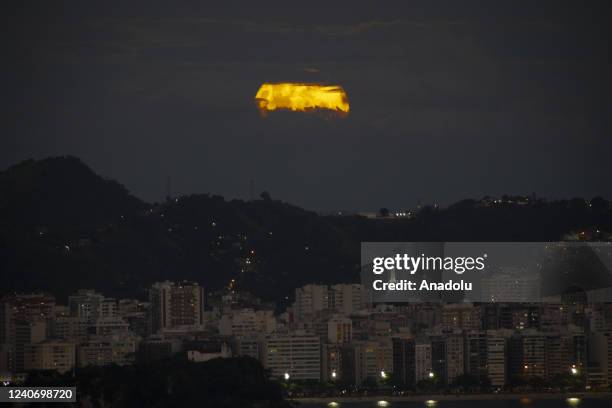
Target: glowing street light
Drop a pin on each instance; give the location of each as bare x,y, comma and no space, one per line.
574,370
334,374
286,376
383,374
431,374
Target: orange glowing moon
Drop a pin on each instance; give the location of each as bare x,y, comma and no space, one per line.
301,97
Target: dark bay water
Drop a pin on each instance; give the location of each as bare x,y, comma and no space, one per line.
501,403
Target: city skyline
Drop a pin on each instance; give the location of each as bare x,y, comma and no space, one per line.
330,334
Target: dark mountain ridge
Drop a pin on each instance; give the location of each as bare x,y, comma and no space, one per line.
62,227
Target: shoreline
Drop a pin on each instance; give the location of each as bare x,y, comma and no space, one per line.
456,397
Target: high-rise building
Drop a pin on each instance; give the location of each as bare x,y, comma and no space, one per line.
526,317
461,316
247,322
348,363
552,317
339,330
373,359
105,350
105,326
454,357
176,305
5,321
70,328
475,356
490,316
422,356
404,359
249,346
23,309
558,355
50,355
332,365
26,335
438,358
24,319
294,355
600,358
137,315
496,359
88,304
5,362
358,361
527,352
309,300
346,298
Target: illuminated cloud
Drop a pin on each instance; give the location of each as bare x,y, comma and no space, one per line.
302,97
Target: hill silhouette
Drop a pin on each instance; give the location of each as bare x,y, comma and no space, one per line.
62,227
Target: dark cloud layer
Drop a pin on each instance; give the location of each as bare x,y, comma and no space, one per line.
448,99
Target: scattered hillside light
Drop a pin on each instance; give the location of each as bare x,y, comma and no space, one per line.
430,403
333,404
573,401
383,403
286,376
301,97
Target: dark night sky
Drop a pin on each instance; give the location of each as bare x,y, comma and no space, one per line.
449,100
